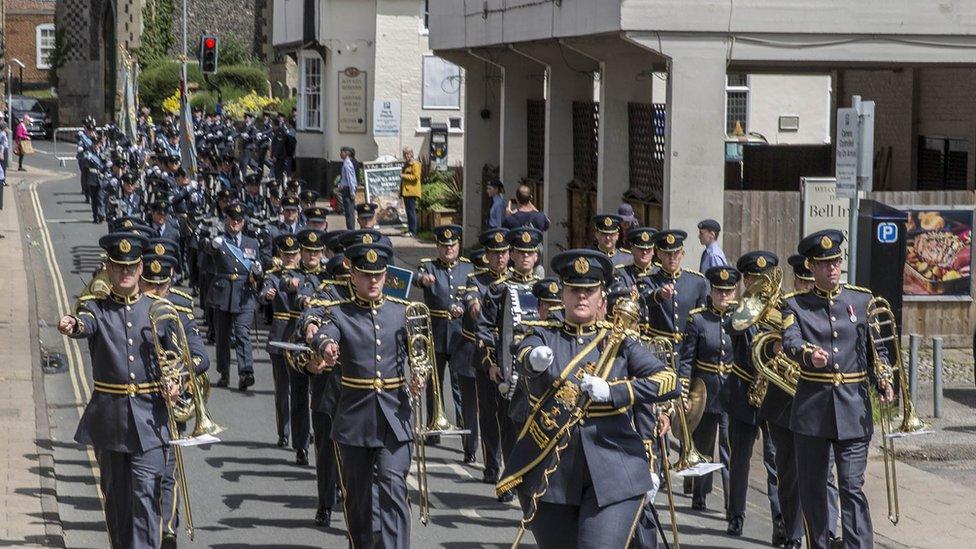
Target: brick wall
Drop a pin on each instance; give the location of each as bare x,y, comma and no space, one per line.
227,18
23,17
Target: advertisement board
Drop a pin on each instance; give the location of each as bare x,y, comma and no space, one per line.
938,263
383,189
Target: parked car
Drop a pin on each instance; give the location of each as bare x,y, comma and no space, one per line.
41,124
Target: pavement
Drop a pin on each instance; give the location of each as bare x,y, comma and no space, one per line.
246,492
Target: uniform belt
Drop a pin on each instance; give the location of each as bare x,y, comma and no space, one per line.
721,368
377,384
739,371
285,316
836,377
130,389
229,276
440,313
603,411
469,335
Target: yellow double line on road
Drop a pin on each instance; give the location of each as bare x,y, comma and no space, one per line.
79,383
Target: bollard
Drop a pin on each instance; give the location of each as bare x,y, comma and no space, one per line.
937,376
913,344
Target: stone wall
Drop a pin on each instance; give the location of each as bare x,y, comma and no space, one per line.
226,18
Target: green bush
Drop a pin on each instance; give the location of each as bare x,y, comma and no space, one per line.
235,52
431,194
287,105
158,82
243,77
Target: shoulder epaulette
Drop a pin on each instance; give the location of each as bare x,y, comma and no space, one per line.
182,294
625,250
794,293
476,272
621,266
694,272
427,260
696,311
858,288
400,301
464,260
272,270
90,297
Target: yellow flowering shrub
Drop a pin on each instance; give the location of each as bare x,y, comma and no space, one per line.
251,103
172,103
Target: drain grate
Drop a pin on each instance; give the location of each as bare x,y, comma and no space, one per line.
53,363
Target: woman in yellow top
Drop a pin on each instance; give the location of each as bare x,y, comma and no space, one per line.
410,188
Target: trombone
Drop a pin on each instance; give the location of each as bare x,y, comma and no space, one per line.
689,457
176,367
420,356
886,355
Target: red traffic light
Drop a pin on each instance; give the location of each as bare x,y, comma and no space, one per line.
210,43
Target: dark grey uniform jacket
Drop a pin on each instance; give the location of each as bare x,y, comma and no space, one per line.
605,442
837,324
468,355
284,319
121,345
706,353
372,346
668,316
440,296
230,291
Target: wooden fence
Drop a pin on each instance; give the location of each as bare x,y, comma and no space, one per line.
770,220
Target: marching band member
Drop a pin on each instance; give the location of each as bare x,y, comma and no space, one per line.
126,419
706,354
591,495
826,333
273,292
606,231
440,278
372,428
744,422
672,292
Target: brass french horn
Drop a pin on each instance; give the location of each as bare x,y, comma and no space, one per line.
760,303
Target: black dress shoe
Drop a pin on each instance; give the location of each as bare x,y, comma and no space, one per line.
301,457
735,526
323,516
246,381
433,440
835,542
779,533
168,542
794,544
469,458
490,477
223,381
282,442
698,504
687,486
506,496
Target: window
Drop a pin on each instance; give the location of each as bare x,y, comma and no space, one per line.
425,17
310,93
424,123
942,163
442,84
736,104
44,39
454,124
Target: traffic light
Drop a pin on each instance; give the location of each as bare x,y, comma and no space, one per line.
209,44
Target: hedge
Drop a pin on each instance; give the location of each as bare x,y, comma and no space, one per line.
158,82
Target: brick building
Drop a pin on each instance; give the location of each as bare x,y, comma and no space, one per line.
30,38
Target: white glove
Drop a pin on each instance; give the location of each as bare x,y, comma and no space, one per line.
256,268
656,482
217,242
596,387
193,185
540,358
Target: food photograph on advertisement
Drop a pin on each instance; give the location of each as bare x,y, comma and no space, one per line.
938,259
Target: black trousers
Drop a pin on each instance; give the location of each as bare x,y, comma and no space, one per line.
742,437
234,329
704,439
326,471
812,463
442,361
390,465
300,412
469,413
132,484
786,480
282,394
497,432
